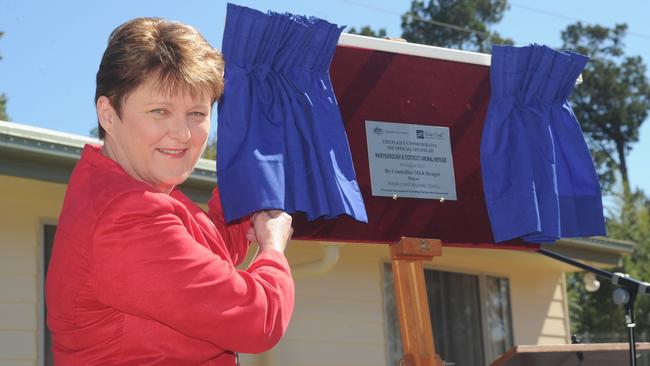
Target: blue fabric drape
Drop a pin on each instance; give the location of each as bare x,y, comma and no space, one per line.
579,193
539,179
280,140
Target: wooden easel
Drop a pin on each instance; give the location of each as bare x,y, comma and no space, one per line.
412,305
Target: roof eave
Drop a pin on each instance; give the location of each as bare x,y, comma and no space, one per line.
598,251
38,153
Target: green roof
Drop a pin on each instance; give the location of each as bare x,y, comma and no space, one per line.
48,155
599,251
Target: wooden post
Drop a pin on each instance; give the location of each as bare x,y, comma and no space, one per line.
412,304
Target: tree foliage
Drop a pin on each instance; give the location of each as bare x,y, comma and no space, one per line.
211,149
462,24
367,31
3,99
611,104
594,316
614,99
3,108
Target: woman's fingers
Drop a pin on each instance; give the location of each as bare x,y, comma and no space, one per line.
273,229
274,213
250,235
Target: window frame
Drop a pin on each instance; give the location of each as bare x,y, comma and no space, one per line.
482,284
482,278
42,223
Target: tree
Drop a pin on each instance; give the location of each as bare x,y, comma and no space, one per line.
613,100
463,24
3,108
211,150
3,99
367,31
594,316
611,104
634,225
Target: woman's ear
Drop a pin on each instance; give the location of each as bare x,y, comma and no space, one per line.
106,114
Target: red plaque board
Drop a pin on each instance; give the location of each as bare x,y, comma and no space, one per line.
379,85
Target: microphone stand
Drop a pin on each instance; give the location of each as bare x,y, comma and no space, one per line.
626,293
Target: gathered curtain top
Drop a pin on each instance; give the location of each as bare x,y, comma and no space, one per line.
534,73
278,42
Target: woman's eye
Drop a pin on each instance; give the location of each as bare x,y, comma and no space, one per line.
197,114
160,111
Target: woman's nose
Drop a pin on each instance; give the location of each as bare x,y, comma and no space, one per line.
179,130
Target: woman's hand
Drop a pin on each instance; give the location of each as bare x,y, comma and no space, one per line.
271,229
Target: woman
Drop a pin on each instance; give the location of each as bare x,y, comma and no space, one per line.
139,274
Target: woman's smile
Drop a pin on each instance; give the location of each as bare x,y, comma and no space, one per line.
172,153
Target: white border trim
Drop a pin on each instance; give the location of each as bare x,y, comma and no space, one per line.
45,135
414,49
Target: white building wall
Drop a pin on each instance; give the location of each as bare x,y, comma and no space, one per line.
26,206
339,316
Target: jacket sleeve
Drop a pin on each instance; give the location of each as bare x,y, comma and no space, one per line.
145,263
234,234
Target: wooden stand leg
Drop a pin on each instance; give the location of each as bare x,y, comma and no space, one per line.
412,304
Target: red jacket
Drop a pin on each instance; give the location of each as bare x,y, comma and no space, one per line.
138,277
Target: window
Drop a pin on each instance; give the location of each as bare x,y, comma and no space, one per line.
470,315
48,241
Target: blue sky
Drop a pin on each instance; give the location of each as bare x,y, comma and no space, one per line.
51,49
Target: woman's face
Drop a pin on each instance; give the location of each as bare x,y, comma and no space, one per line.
159,138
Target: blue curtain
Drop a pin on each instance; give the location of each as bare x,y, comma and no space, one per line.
580,199
280,138
539,179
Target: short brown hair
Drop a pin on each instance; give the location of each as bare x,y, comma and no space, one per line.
143,47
